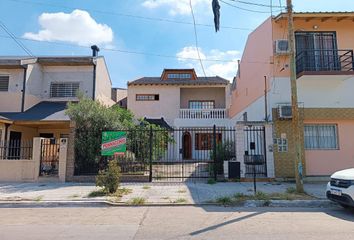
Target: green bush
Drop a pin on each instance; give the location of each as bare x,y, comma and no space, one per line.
109,179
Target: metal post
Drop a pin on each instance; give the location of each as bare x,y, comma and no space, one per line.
214,153
150,153
254,179
294,102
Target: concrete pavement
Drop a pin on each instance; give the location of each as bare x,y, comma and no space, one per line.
209,222
189,192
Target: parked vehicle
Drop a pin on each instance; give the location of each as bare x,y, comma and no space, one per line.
341,188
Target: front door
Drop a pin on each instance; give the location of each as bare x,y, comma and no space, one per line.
187,146
15,145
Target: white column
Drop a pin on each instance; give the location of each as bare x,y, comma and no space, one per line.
269,150
63,151
240,147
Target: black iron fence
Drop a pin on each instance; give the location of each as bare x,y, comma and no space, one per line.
49,161
324,60
170,155
255,157
16,150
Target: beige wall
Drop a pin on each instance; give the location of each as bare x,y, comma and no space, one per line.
168,106
103,83
18,170
216,94
11,101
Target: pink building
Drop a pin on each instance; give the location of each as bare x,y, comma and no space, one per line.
325,81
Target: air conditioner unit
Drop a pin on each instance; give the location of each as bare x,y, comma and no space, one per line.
285,111
282,47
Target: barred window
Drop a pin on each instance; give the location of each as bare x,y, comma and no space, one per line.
201,104
324,136
4,83
147,97
66,89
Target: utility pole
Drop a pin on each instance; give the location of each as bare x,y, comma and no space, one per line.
294,102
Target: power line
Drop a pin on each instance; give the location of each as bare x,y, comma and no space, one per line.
256,4
128,15
196,37
13,37
244,9
136,52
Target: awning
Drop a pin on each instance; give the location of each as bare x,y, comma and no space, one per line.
43,111
159,122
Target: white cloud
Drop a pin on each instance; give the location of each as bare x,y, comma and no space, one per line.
77,27
225,69
177,7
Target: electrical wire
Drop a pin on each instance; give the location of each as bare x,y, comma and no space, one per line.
244,9
196,38
13,37
128,15
135,52
257,4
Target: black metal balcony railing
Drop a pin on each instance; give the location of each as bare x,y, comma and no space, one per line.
324,61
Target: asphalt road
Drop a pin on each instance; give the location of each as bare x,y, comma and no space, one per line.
175,223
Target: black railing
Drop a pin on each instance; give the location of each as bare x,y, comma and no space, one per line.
16,150
324,61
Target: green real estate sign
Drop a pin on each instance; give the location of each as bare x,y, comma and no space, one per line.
113,143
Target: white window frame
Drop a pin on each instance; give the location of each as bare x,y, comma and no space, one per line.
319,134
65,92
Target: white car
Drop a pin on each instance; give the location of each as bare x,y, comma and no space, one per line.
341,188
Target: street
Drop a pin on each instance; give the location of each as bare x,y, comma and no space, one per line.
180,222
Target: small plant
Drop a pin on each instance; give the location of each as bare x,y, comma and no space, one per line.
266,203
146,187
211,181
74,196
261,196
224,200
137,201
180,200
290,190
97,193
38,199
181,191
165,198
109,179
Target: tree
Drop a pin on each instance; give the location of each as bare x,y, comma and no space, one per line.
91,119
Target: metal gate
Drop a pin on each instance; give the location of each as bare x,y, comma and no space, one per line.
255,148
171,155
49,162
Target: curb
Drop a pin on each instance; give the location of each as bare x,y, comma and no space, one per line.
245,204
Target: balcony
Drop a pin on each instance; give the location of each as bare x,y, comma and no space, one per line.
203,113
325,62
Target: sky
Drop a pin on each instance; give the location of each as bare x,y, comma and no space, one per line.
142,37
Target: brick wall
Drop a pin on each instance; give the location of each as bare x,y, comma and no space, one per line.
284,161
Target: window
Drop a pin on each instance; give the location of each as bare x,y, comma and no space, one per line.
147,97
201,104
321,136
65,89
204,141
179,76
4,83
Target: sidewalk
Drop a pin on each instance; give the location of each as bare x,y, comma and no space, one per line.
152,193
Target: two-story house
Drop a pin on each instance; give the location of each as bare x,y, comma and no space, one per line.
181,100
325,83
34,93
